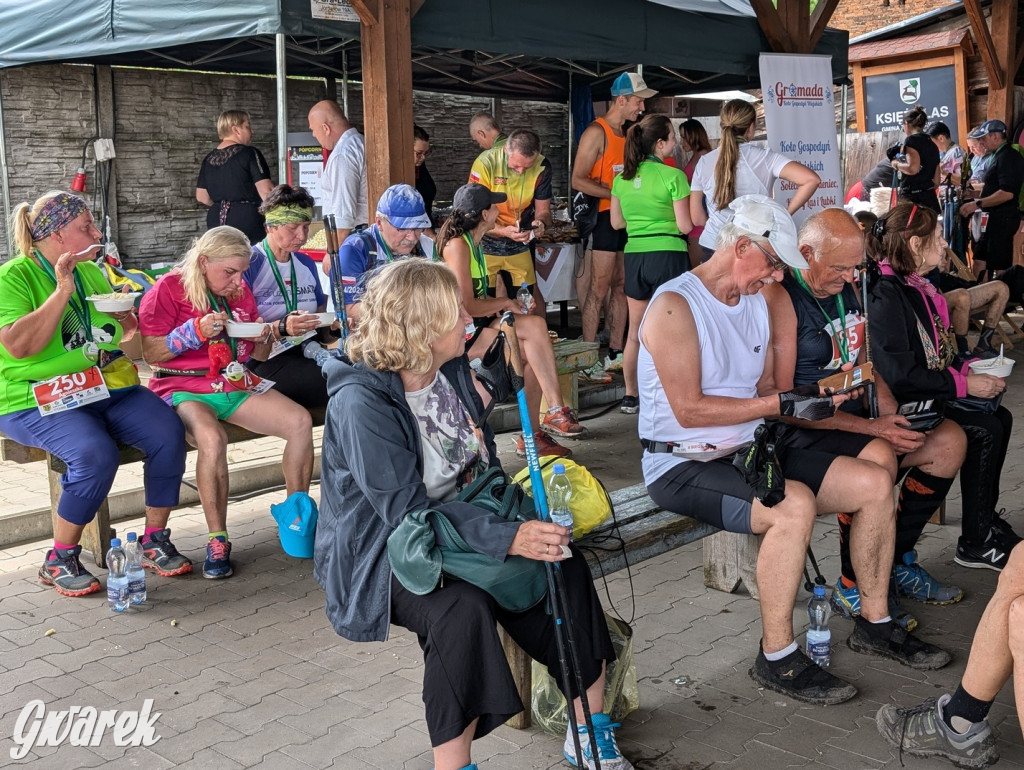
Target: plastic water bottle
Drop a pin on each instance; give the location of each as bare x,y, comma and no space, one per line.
559,492
133,568
117,579
524,298
316,352
819,637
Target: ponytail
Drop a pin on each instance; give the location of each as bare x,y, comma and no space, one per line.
736,117
455,226
641,140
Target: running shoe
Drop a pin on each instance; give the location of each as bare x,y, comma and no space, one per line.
992,554
596,374
613,364
629,405
63,570
846,602
1003,529
922,732
546,446
801,679
218,559
898,645
562,424
607,749
913,581
160,555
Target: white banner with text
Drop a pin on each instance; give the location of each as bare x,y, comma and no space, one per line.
800,118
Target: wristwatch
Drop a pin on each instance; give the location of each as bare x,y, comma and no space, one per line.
282,326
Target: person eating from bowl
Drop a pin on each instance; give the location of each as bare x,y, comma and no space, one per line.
288,296
55,346
200,325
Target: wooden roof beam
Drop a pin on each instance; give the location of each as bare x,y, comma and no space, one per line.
772,26
986,47
820,19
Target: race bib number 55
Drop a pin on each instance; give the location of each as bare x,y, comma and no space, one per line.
70,391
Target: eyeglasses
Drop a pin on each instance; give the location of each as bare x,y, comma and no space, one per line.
773,261
421,154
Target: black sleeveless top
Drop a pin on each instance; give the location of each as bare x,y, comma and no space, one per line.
818,351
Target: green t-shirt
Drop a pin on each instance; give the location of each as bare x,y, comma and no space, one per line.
647,206
23,288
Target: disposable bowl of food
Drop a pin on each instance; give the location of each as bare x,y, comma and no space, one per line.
326,319
240,329
114,303
997,367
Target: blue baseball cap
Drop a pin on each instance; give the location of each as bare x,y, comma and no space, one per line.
404,208
631,84
988,127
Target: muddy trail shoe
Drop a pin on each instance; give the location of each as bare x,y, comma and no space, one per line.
922,732
218,559
607,749
846,602
891,641
64,571
913,581
545,445
801,679
629,405
562,424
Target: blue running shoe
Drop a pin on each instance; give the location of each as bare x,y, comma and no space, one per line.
607,750
846,602
913,581
218,555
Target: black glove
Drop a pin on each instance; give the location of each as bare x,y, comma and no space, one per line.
759,465
804,403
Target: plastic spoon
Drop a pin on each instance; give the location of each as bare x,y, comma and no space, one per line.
87,249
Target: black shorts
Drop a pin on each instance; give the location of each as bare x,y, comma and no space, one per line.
646,271
996,245
716,493
605,237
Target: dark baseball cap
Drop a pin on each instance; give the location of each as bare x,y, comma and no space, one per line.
473,198
988,127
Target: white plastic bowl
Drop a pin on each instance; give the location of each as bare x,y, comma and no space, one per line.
248,330
993,366
111,303
326,319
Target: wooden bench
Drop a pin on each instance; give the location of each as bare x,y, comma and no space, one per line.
640,531
97,534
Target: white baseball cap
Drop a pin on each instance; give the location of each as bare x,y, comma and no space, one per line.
762,216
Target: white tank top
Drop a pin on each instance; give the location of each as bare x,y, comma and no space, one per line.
733,344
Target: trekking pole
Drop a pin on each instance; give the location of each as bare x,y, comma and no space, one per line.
337,284
869,387
564,638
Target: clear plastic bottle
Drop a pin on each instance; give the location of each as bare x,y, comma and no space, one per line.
117,578
133,568
524,298
819,637
559,492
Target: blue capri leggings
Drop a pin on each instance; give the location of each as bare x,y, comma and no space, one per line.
85,439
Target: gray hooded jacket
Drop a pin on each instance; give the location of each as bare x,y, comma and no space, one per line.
371,477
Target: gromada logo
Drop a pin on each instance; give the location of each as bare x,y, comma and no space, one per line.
82,726
794,94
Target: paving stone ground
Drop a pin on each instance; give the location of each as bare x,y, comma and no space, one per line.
252,675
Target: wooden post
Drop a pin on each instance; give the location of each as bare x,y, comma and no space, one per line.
1004,39
522,673
730,558
96,535
387,94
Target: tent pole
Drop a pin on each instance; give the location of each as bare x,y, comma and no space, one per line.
842,140
3,175
344,83
282,108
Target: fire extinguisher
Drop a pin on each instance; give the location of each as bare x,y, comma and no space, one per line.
78,184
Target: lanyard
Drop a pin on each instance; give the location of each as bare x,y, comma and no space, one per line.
654,159
839,335
81,310
289,307
477,255
217,305
379,237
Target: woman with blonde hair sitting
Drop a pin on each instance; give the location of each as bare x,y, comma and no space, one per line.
199,369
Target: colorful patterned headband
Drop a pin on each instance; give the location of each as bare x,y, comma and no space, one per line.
288,214
58,212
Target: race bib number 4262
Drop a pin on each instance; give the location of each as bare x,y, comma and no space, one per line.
70,391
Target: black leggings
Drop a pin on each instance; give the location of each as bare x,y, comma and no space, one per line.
294,376
988,436
465,673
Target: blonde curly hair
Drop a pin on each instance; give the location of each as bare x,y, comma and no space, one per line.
409,304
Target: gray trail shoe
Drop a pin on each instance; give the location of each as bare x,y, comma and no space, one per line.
921,732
